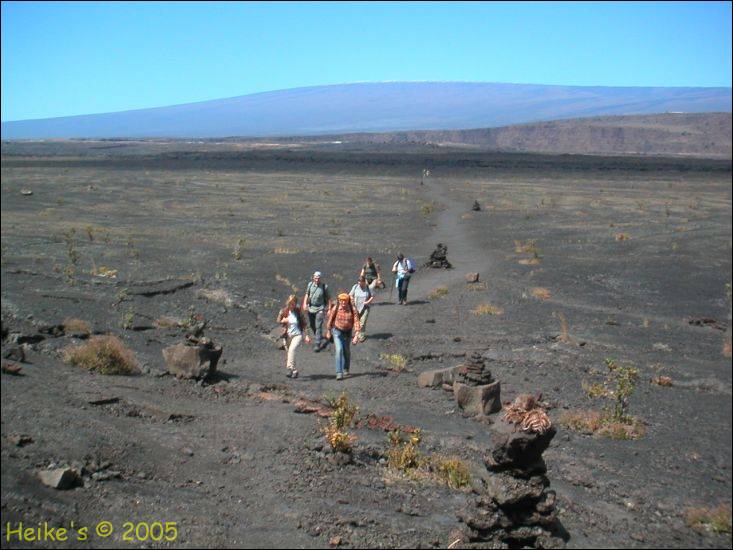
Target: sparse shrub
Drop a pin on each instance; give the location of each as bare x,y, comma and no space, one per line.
340,420
90,232
127,319
404,454
438,293
237,254
398,362
103,354
615,420
121,296
452,471
132,252
622,236
427,209
706,519
339,440
283,250
487,309
76,325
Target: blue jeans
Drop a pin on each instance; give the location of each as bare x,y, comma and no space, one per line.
342,347
402,285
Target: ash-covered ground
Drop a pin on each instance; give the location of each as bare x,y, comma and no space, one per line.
580,260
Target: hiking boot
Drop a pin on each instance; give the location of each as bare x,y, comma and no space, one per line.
294,374
346,373
289,374
317,348
339,376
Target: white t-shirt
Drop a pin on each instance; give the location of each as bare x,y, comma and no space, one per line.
360,296
403,268
293,325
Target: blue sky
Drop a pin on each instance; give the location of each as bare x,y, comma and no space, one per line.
67,58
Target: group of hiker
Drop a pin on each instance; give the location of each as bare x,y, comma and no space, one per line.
345,318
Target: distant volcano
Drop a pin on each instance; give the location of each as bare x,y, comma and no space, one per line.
375,107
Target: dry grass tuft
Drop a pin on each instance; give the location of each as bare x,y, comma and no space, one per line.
705,519
622,236
478,287
76,325
564,333
592,422
283,250
529,261
541,293
665,381
438,293
103,354
398,362
528,247
487,309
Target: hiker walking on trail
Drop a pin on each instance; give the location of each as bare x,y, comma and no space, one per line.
403,269
343,323
362,296
293,321
373,274
316,302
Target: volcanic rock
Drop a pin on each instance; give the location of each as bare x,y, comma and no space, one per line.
195,359
60,478
436,377
478,399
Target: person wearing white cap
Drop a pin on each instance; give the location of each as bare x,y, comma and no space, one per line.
316,301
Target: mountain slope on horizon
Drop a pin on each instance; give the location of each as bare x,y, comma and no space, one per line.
375,107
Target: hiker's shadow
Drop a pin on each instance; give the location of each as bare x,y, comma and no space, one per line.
371,374
380,336
221,376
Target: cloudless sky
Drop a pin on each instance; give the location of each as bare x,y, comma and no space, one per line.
67,58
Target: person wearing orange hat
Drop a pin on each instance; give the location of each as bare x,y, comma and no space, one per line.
343,323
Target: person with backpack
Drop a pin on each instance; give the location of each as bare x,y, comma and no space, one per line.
343,323
293,321
361,294
373,274
403,269
316,302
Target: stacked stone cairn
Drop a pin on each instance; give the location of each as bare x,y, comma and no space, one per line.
439,258
515,509
474,388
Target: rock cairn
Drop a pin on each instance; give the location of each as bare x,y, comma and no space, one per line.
438,258
515,509
474,387
474,372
